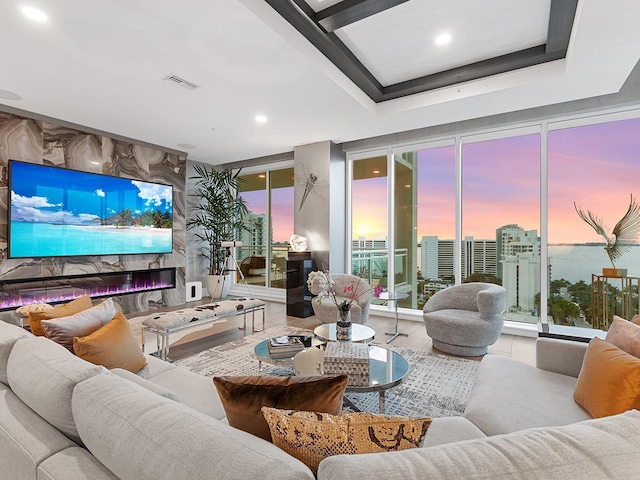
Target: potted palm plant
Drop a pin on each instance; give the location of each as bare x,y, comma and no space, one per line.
217,215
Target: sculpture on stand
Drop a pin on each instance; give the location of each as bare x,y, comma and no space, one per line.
624,234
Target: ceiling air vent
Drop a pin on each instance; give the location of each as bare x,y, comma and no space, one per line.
180,82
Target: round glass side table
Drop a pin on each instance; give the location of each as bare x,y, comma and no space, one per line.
394,297
359,333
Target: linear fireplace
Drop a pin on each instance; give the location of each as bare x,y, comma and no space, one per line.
15,293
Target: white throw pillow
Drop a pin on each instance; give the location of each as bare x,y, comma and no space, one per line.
62,330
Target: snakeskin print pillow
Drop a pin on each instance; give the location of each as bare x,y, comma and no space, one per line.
312,436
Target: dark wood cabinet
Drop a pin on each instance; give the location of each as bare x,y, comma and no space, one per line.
299,265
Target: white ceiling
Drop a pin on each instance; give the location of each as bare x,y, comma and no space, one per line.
398,44
100,64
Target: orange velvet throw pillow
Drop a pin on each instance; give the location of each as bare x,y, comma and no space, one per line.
74,306
113,345
243,397
609,381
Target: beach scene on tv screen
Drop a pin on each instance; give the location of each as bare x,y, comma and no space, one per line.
60,212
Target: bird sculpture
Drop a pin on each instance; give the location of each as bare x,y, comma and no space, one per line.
624,234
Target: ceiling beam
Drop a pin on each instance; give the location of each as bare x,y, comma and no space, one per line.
492,66
330,46
351,11
561,17
298,14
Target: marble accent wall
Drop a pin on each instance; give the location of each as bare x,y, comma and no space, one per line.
46,143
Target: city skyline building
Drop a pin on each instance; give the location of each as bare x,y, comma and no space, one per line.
256,237
513,257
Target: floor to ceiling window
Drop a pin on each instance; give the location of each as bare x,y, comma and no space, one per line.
263,255
282,214
501,219
579,245
593,177
252,256
369,222
424,221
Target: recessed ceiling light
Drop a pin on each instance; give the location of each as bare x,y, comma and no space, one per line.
376,171
443,39
261,119
96,163
262,175
34,14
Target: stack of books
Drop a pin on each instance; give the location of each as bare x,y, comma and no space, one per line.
285,347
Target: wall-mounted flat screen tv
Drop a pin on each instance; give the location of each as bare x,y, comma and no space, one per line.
57,212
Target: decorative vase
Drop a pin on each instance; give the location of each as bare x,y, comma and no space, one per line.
343,326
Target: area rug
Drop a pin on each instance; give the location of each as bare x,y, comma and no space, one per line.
436,385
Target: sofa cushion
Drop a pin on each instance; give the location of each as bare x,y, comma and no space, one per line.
74,306
609,382
165,439
152,387
9,335
73,463
62,330
243,398
599,449
451,429
154,367
313,436
508,396
195,391
113,345
625,335
26,439
43,374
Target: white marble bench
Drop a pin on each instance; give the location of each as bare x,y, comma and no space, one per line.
162,324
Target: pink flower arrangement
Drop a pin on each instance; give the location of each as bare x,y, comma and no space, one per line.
326,285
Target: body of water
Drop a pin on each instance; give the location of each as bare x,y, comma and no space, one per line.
46,240
579,262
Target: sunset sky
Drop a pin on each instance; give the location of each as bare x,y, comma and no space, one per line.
596,166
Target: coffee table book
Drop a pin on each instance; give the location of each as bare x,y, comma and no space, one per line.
284,347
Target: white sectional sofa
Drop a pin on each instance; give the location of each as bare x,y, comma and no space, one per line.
62,418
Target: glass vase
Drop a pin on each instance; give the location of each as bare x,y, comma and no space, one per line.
343,326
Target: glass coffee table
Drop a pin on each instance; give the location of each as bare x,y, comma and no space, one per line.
262,354
386,370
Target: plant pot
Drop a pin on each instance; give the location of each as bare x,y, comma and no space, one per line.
218,285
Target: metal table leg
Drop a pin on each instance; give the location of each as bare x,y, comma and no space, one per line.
395,333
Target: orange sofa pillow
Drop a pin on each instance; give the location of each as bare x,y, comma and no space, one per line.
609,381
113,345
74,306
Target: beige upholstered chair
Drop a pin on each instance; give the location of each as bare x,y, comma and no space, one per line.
465,319
325,308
